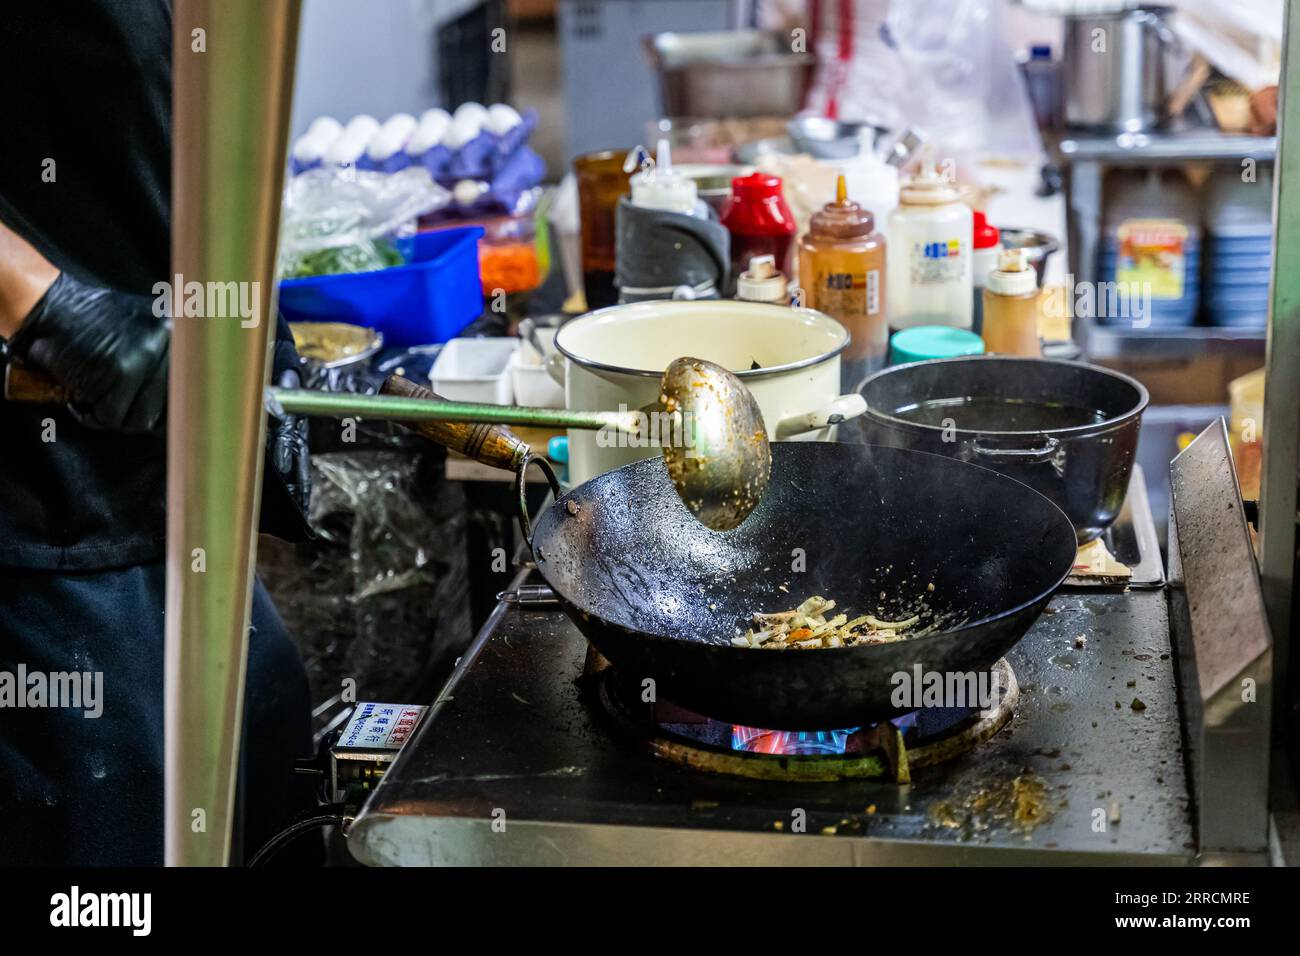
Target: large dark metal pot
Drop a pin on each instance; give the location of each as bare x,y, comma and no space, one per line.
1066,429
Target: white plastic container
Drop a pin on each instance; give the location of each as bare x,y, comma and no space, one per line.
928,269
659,186
533,382
475,370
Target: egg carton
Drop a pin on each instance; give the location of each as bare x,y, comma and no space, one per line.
479,152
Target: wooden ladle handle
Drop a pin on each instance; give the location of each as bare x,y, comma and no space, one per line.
493,445
22,383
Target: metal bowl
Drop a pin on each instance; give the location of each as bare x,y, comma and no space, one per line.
728,73
832,139
1038,246
713,180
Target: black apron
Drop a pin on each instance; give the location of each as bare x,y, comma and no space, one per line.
83,785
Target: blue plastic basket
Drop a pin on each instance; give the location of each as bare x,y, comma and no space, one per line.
428,300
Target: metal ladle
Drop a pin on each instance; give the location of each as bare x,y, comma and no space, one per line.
715,445
717,453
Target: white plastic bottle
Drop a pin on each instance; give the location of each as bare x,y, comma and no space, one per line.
659,186
928,270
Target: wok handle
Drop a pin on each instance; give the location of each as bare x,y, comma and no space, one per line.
492,445
1023,456
521,492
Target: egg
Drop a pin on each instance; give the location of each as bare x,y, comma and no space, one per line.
392,136
467,191
347,148
463,130
362,126
430,132
305,149
324,129
477,111
502,118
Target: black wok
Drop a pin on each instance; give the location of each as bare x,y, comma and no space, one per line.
661,596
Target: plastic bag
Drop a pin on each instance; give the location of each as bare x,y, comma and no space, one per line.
943,66
381,596
964,88
346,220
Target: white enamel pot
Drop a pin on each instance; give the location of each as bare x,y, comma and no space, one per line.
788,358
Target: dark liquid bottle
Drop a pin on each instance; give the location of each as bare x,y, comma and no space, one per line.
759,221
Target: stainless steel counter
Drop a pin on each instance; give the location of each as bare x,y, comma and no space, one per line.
514,766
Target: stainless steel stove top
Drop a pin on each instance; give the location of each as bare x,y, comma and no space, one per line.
518,764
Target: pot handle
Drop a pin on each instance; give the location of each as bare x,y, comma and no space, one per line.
1021,456
839,410
493,445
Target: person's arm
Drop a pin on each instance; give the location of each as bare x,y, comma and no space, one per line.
25,276
107,348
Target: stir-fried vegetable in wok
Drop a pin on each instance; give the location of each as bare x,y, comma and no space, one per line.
809,626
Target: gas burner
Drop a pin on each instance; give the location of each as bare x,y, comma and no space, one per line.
886,751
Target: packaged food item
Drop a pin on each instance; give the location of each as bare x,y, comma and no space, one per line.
1150,251
930,268
1246,430
333,222
1239,247
1011,307
842,272
507,255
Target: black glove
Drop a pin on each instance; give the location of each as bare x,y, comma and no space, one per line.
110,349
286,482
107,348
286,443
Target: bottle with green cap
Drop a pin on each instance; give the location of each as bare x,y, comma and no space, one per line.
924,342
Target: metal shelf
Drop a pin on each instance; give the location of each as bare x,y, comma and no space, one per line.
1083,157
1175,145
1111,342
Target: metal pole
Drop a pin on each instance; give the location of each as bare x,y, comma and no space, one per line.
232,69
1281,427
397,408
